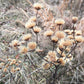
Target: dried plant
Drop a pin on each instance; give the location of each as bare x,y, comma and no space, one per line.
46,49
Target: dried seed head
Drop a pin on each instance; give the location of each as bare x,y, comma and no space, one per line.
70,36
19,61
12,70
78,33
52,56
79,39
9,59
74,19
15,43
61,61
46,65
5,70
67,42
30,24
23,49
32,45
59,21
11,63
61,47
16,64
39,50
37,29
67,31
60,34
17,69
14,61
54,39
37,6
67,49
27,37
7,65
48,33
32,19
2,64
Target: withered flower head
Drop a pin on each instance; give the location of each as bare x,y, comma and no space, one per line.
23,49
37,29
79,39
67,49
17,69
2,64
70,36
67,42
13,70
79,32
5,70
61,47
59,21
48,33
54,39
74,19
9,59
14,61
32,19
52,56
15,43
26,37
37,6
32,45
46,65
60,34
67,31
30,24
61,61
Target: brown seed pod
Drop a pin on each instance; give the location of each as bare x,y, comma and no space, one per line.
32,45
37,6
59,21
74,19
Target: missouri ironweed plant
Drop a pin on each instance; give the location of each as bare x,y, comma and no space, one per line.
44,46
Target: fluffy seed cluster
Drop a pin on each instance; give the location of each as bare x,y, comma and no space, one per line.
27,37
52,56
15,43
61,61
32,19
54,39
32,45
78,33
74,19
30,24
23,49
59,21
37,6
67,31
48,33
37,29
79,39
60,34
46,65
67,42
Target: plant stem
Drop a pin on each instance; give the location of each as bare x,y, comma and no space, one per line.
55,74
53,46
37,39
